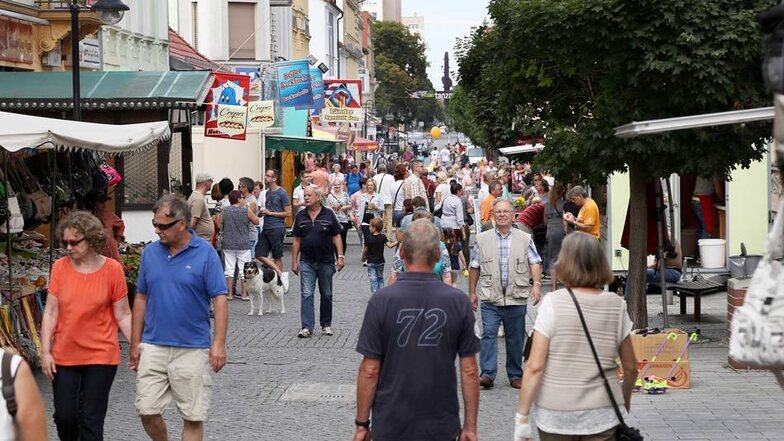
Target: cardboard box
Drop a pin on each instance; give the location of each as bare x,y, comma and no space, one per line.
646,348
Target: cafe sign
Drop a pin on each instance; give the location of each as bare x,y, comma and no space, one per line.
16,41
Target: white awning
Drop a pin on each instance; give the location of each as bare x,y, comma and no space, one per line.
525,148
655,126
18,132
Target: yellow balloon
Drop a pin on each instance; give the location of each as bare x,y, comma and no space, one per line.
435,133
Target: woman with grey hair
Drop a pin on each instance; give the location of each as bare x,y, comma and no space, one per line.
87,303
561,373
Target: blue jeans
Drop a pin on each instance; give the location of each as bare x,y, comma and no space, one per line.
376,276
513,318
670,275
702,231
309,274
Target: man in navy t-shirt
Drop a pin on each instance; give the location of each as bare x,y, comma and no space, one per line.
410,337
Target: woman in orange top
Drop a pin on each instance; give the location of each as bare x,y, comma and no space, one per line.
87,302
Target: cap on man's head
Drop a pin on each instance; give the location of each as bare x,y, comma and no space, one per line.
204,177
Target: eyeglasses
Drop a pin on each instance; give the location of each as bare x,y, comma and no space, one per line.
72,243
164,227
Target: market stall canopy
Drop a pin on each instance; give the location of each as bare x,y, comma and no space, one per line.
302,144
52,91
656,126
18,132
525,148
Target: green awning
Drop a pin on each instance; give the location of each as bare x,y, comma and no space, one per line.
104,90
301,145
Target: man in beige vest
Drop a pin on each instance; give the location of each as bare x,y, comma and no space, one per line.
503,262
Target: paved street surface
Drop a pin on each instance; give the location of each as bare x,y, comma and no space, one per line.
279,387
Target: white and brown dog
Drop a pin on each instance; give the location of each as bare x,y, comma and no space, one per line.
264,287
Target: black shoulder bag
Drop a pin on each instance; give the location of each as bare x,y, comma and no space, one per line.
624,432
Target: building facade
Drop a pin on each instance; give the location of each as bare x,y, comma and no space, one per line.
232,33
350,39
140,41
281,30
300,29
324,16
415,25
384,10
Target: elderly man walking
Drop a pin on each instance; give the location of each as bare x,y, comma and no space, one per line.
503,261
411,334
413,186
171,348
200,219
317,241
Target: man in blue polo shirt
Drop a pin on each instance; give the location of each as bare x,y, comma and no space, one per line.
170,338
316,242
411,334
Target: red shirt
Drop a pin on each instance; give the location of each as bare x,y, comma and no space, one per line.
532,216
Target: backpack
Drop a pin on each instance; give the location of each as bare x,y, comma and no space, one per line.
758,325
9,394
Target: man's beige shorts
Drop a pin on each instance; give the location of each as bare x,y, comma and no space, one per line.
180,374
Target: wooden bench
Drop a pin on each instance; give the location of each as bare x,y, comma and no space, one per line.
695,288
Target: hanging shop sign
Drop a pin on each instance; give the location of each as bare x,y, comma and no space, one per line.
254,74
317,86
90,53
232,120
294,86
227,90
16,41
261,114
343,102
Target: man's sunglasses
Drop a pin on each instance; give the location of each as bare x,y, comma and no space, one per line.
72,243
164,227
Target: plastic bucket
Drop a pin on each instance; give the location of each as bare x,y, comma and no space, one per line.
712,252
737,267
752,260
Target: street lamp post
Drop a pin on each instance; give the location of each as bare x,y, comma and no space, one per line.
109,12
389,117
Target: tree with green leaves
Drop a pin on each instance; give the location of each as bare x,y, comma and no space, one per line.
401,69
573,70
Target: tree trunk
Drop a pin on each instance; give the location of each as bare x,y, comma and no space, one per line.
638,232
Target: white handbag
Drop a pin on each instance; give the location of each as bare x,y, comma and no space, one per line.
758,325
15,218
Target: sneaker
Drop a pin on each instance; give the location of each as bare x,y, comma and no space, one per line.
364,263
327,330
285,280
304,333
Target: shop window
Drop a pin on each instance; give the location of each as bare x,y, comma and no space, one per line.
242,24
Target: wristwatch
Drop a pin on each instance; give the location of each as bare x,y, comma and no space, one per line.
364,424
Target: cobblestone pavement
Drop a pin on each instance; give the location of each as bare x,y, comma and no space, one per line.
279,387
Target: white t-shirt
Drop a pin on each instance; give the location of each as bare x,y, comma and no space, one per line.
7,429
445,191
384,183
398,196
446,156
298,195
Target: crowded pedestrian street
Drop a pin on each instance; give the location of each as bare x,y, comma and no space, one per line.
276,386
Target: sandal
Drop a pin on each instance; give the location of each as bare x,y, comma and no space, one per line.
245,299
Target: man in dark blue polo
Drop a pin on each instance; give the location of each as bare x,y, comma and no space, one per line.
316,242
412,333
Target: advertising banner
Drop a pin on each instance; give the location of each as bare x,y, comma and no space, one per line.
232,120
261,114
227,90
16,41
294,86
343,102
255,78
317,86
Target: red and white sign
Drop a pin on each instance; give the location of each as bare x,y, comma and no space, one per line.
227,90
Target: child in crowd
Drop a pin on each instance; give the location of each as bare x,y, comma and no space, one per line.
453,240
373,253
